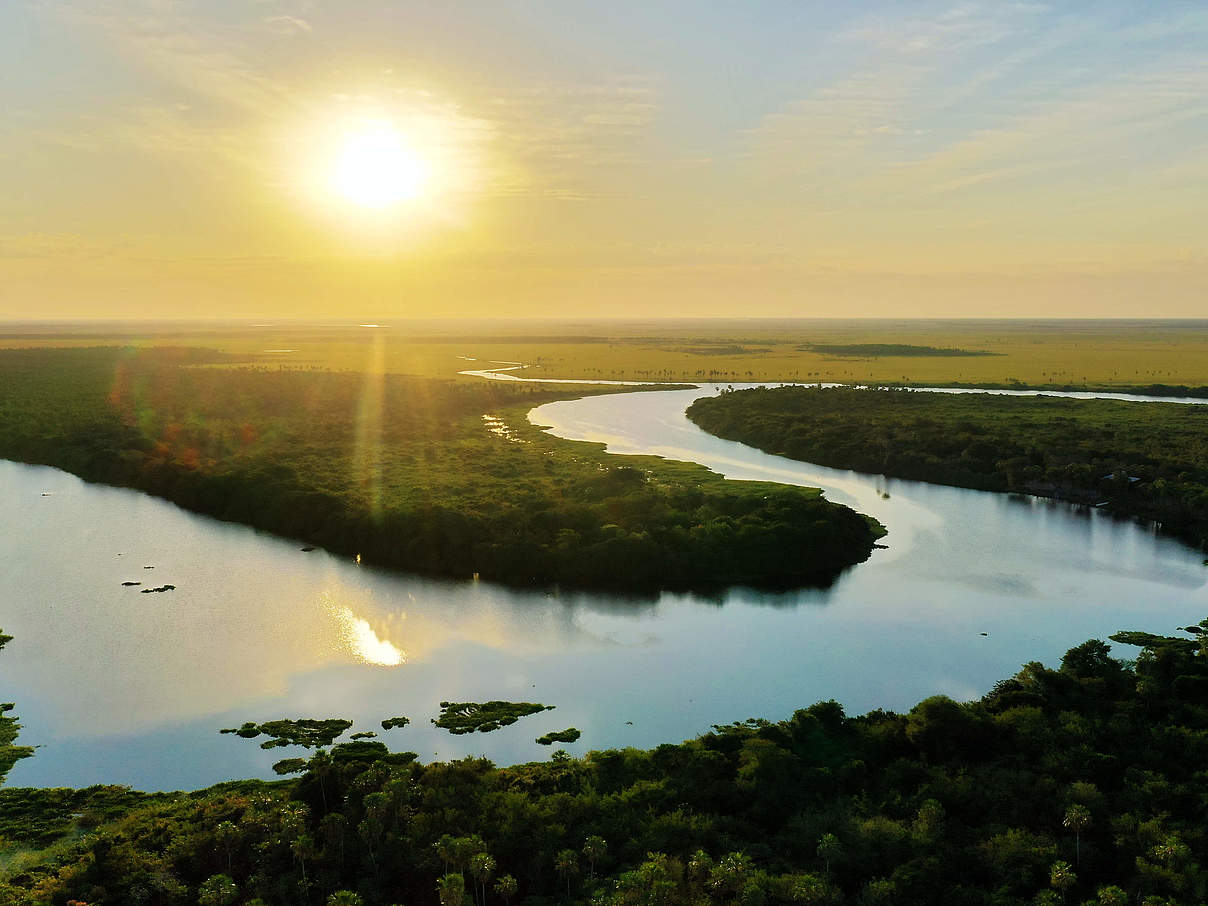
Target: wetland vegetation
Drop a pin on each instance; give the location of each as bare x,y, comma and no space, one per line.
570,734
1070,354
1079,784
412,473
483,717
1148,460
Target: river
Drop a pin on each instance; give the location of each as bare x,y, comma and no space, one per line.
117,686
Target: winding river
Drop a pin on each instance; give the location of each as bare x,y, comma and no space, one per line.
118,686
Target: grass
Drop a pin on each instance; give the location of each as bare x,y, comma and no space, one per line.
1101,354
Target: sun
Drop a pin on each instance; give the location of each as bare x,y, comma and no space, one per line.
373,167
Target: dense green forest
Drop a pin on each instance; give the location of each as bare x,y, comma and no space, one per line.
427,475
1148,460
1083,785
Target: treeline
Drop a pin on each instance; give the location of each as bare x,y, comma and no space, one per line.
407,473
891,350
1148,460
1081,785
1199,391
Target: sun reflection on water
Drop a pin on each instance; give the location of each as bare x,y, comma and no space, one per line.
364,642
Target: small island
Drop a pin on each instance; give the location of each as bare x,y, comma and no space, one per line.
568,735
483,717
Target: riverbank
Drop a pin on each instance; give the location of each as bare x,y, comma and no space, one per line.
1145,461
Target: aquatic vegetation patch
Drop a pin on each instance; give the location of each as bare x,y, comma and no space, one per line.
570,734
306,732
392,722
290,766
483,717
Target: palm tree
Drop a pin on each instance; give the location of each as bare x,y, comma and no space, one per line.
451,889
506,887
226,835
1077,819
829,848
1062,878
219,890
1112,896
729,874
444,848
567,864
465,847
302,846
482,866
345,898
594,848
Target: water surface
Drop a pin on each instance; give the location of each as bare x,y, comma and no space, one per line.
122,687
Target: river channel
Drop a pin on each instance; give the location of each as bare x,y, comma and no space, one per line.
118,686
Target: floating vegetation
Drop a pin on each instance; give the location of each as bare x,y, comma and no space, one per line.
149,591
248,731
290,766
364,734
391,722
568,735
128,584
307,549
466,717
305,732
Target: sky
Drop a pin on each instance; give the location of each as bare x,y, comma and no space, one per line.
180,159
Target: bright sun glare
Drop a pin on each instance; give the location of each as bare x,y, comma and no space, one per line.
374,168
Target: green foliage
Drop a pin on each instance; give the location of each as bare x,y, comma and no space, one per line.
467,717
10,754
404,472
1060,785
391,722
570,734
306,732
1148,460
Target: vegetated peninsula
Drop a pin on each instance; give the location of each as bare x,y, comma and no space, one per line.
1083,783
432,476
1148,460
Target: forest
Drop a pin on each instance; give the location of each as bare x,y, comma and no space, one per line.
1143,460
1080,784
432,476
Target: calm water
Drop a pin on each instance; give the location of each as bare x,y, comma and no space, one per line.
121,687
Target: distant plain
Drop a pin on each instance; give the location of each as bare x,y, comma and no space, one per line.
1100,354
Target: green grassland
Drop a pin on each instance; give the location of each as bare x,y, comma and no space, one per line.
1148,460
1082,784
1101,354
432,476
